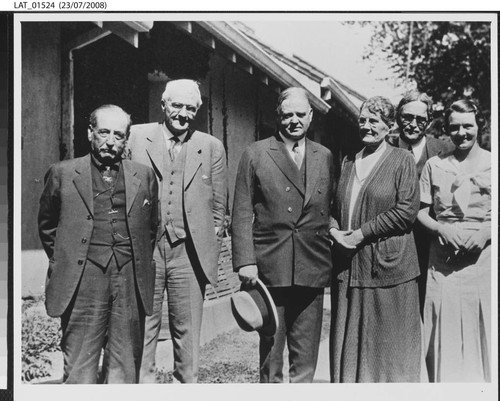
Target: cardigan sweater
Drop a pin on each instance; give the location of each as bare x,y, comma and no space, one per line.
385,210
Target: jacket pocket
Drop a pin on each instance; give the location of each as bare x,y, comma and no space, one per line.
389,248
206,179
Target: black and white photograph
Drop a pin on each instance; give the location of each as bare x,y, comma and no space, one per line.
255,198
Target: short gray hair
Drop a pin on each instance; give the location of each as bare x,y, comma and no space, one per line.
187,84
415,96
382,106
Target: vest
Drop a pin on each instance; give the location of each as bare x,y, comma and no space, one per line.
172,208
110,235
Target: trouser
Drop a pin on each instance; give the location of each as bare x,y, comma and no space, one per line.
177,271
105,306
300,314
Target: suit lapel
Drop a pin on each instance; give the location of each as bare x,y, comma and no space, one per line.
278,153
132,184
432,147
312,168
155,150
83,182
194,154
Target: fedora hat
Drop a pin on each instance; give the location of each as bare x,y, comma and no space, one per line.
253,309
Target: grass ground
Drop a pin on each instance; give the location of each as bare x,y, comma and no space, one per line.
231,357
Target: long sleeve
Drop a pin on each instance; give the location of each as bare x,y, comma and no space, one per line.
242,217
48,213
402,215
219,184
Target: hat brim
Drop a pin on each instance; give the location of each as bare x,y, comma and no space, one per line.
270,328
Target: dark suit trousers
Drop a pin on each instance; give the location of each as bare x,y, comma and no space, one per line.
300,314
105,306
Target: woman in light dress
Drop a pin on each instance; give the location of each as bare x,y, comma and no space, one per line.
457,311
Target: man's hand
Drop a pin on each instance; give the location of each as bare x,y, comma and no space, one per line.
248,275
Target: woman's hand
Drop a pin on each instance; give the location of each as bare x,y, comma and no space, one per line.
338,238
346,241
476,241
355,238
450,236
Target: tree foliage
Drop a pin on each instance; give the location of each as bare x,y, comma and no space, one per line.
449,60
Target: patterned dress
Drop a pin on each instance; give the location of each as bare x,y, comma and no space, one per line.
457,311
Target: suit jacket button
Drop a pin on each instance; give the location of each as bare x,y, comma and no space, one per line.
319,190
287,189
89,217
290,210
84,240
80,262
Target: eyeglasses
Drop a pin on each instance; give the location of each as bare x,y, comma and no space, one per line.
407,119
191,110
106,133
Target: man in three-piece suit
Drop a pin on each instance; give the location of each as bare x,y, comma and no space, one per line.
413,116
191,169
280,225
97,222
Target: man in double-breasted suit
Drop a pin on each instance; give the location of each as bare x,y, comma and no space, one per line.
98,222
191,170
413,116
280,225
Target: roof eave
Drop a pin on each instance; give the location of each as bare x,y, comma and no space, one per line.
255,55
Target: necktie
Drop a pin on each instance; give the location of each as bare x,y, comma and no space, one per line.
410,148
108,176
174,147
297,155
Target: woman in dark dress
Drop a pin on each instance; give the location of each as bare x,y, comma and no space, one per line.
376,329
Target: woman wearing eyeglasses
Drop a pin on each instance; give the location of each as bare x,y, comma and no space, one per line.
375,332
457,307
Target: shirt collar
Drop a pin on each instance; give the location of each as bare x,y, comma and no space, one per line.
290,143
101,167
169,135
416,146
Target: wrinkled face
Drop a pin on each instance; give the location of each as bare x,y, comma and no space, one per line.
180,109
294,117
109,136
463,130
413,121
372,129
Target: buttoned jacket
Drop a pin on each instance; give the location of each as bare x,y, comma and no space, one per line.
65,223
204,186
280,223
